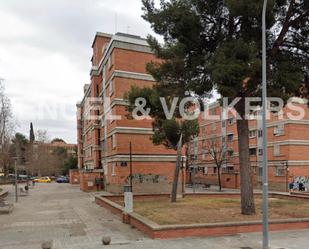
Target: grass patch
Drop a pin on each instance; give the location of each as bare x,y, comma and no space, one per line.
211,210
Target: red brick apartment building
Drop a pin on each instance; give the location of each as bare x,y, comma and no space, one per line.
119,62
288,149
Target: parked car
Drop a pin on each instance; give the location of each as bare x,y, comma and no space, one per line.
45,179
23,177
63,179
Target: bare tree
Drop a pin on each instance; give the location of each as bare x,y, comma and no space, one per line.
216,148
6,128
44,159
42,136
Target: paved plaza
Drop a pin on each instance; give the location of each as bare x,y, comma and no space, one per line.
63,214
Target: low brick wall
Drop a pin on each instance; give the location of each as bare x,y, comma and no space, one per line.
88,182
156,231
74,176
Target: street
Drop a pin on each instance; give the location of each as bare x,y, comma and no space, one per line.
71,219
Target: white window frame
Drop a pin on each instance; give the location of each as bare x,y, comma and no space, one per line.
114,141
113,169
280,170
252,133
111,88
279,130
109,61
205,170
276,150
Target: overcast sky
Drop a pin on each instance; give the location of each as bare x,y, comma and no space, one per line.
45,51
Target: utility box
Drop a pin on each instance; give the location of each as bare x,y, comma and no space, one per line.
128,199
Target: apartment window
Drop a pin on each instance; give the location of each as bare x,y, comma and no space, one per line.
230,169
105,168
260,133
104,48
213,126
276,150
114,141
280,171
231,121
215,170
230,137
111,88
205,171
113,169
104,77
260,152
252,151
112,112
279,130
98,90
252,133
223,124
213,111
110,61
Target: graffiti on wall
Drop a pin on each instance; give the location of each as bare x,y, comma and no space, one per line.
301,179
147,178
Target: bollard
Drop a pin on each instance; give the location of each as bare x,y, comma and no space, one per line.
47,245
106,240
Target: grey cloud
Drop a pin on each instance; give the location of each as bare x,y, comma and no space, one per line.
60,27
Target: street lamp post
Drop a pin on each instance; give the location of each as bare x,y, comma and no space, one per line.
286,176
264,100
131,184
16,181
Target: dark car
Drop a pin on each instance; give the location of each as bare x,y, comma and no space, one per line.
62,179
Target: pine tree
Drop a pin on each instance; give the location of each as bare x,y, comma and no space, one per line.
31,136
216,44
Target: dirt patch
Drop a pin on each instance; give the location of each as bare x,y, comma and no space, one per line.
213,210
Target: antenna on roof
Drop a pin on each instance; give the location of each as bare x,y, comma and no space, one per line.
116,22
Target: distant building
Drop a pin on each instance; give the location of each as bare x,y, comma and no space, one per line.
119,62
288,149
42,158
70,148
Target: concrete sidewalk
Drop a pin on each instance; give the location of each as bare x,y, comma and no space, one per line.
71,219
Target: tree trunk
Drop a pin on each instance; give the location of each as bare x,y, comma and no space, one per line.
177,169
219,178
246,186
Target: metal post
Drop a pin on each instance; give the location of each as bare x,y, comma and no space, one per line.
131,185
265,164
182,178
16,182
287,176
194,179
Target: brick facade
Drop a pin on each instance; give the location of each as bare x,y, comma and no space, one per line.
119,62
288,146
